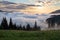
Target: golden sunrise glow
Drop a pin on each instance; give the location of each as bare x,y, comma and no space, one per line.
41,7
40,10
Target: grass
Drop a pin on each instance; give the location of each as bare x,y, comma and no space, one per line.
29,35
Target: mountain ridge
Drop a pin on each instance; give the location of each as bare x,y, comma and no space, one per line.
57,11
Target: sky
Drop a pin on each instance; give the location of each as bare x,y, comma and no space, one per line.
30,1
47,6
21,1
54,2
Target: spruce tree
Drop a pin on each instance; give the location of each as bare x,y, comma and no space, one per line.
4,24
23,28
20,27
14,26
35,26
10,24
28,27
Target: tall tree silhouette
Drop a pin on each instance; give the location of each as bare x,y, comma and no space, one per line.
54,19
28,27
4,24
11,24
23,28
51,22
35,26
20,27
14,26
0,27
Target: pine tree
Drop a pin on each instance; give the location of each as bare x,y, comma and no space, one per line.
35,26
11,24
23,28
28,27
20,27
0,26
4,24
39,28
14,26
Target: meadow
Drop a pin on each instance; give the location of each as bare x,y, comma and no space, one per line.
29,35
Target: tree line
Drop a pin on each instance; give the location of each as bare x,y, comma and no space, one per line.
13,26
53,20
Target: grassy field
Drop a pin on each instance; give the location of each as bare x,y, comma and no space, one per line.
29,35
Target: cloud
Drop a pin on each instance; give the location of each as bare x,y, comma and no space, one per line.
24,18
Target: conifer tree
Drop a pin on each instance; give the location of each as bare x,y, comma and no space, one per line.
35,26
28,27
10,24
14,26
23,27
4,24
20,27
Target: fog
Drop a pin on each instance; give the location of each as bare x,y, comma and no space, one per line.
22,18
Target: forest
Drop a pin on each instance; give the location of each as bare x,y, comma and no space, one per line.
53,21
13,26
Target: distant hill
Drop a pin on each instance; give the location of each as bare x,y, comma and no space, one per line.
57,11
